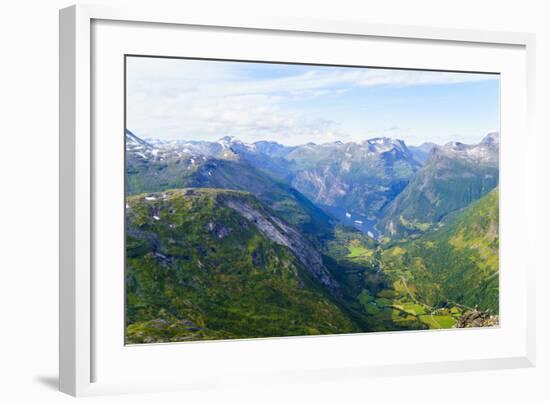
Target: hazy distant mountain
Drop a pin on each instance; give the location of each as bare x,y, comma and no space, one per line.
359,178
421,152
267,156
347,179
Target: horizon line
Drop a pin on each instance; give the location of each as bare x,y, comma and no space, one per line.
145,138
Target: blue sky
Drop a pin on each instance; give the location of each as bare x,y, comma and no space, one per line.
294,104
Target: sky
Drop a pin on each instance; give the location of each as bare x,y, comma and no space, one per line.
170,98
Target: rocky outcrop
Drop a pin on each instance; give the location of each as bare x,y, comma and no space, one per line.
283,234
475,318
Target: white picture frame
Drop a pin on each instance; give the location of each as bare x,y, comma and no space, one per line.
78,163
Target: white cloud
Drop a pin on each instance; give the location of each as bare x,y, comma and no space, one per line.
173,98
416,78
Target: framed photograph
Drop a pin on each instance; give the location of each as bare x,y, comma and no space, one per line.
281,200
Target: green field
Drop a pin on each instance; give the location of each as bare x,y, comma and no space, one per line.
438,322
413,309
358,251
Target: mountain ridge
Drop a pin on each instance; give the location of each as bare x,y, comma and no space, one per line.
379,185
208,263
453,176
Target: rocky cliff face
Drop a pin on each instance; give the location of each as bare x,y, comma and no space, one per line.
281,233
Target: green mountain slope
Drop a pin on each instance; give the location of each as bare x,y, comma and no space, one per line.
457,264
212,264
453,176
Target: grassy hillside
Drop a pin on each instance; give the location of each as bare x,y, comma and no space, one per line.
457,264
198,269
443,185
434,281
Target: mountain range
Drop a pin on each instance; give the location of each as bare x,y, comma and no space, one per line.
227,239
379,185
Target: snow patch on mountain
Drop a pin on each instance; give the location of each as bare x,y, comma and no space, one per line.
485,151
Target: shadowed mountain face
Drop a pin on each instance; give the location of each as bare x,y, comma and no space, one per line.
421,153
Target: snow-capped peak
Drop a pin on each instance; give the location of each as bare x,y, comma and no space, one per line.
228,140
134,141
385,144
485,151
492,138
